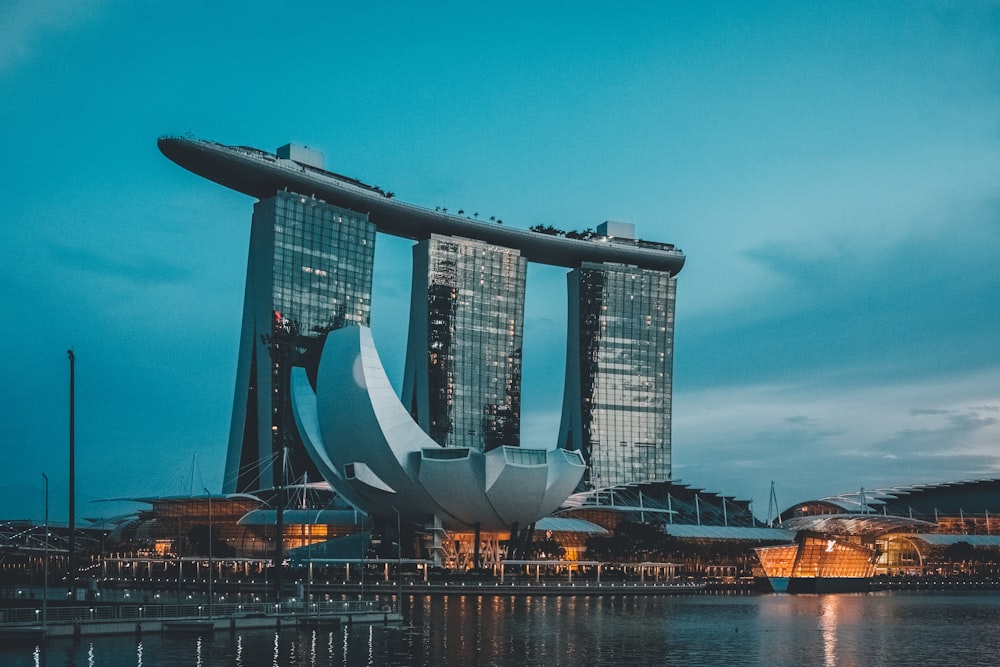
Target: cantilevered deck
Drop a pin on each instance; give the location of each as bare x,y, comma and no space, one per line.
260,174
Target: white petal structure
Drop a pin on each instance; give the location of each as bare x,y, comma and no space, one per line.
369,448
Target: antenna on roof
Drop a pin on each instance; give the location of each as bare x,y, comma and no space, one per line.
772,504
194,464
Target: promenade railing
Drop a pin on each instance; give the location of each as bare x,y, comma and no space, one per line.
116,612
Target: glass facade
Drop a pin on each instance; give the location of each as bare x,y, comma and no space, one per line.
463,361
323,259
619,372
309,272
815,555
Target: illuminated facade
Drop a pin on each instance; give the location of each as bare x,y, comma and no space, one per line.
309,271
179,526
619,367
941,529
463,363
818,563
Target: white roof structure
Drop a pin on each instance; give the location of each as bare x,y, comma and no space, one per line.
369,448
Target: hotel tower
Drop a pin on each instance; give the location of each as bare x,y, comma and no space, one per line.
310,273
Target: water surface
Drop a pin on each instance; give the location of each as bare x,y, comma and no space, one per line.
927,628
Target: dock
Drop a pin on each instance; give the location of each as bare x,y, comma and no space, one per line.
24,624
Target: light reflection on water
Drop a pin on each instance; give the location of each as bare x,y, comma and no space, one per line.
842,630
828,625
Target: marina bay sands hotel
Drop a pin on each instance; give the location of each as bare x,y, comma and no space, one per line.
310,273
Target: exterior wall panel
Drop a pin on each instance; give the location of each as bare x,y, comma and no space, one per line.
617,402
463,360
309,272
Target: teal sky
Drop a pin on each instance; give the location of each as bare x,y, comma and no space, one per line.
831,169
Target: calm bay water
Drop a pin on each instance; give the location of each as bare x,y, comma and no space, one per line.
843,630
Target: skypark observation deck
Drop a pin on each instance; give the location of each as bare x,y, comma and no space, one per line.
260,174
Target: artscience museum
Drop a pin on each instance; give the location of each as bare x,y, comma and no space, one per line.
388,464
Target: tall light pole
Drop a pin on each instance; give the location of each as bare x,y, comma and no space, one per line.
209,494
72,469
280,346
45,575
399,564
280,517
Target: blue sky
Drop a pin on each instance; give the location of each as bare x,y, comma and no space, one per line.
831,169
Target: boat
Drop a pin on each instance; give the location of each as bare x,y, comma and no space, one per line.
818,563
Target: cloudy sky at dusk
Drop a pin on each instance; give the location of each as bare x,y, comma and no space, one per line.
831,170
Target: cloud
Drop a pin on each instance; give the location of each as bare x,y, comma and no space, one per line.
136,270
872,312
819,438
940,431
27,23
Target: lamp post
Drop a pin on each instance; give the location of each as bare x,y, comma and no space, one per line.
281,348
72,469
45,575
209,494
399,564
279,527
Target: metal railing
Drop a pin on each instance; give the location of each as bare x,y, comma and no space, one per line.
118,612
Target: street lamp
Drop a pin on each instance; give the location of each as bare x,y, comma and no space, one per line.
399,564
72,470
45,575
209,494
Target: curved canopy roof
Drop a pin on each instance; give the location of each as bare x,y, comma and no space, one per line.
666,501
920,501
738,533
947,540
561,524
269,517
852,524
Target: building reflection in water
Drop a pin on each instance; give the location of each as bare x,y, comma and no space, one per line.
828,626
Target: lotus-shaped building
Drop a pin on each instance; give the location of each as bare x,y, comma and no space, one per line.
368,446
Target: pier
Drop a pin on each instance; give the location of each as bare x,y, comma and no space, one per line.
77,621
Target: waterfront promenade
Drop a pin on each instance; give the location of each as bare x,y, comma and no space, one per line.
378,603
109,618
142,608
144,612
882,628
